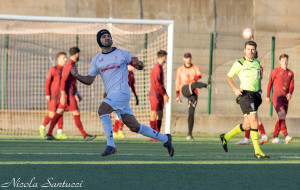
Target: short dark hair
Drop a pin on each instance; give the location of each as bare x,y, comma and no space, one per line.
283,55
74,50
161,53
60,54
251,43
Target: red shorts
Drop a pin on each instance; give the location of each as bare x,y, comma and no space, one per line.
157,103
70,105
53,104
280,104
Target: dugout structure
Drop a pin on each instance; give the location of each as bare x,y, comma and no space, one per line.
28,47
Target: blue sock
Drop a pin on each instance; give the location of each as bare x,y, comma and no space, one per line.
107,127
149,132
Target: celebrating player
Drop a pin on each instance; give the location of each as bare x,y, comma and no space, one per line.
69,97
248,70
283,80
186,83
111,64
52,91
157,93
118,127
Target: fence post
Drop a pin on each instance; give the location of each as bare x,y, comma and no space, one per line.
272,67
210,73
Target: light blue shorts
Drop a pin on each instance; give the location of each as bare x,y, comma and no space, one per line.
119,101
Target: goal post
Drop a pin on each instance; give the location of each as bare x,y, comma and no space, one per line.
28,46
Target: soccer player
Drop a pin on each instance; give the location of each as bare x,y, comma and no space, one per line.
118,127
248,70
52,91
157,94
283,80
111,64
186,83
264,137
69,97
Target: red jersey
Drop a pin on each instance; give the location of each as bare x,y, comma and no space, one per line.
131,81
68,82
157,88
52,85
283,83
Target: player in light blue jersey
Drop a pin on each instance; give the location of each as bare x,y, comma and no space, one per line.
111,64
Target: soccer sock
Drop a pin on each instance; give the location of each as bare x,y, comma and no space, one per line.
107,127
236,130
60,122
247,134
283,127
116,126
153,124
148,132
158,125
277,129
46,120
53,122
254,138
79,124
198,85
121,126
261,130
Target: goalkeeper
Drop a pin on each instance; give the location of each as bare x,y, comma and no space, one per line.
186,83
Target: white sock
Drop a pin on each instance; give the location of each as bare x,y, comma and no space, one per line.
59,131
43,127
107,127
149,132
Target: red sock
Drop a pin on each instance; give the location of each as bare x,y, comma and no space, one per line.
46,120
116,127
158,125
53,123
247,134
283,127
261,130
79,124
121,125
60,122
277,129
153,124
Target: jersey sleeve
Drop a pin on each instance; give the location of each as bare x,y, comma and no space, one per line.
291,86
158,82
48,82
177,80
93,69
235,69
128,57
65,74
198,73
271,80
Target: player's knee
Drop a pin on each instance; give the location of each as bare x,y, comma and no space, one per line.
134,128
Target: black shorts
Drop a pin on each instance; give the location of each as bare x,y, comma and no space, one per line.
249,101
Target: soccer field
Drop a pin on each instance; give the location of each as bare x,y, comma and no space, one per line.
141,164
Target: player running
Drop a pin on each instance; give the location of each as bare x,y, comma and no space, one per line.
111,64
283,80
248,70
69,97
186,83
118,127
157,94
52,91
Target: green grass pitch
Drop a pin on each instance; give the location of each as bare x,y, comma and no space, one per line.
141,164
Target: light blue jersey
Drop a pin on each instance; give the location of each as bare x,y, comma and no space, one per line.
113,69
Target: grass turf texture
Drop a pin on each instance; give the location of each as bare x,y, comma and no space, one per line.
141,164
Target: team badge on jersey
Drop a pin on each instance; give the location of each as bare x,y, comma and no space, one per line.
252,106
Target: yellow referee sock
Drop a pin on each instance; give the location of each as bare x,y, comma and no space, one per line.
254,138
236,130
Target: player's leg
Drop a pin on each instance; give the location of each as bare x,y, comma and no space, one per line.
261,129
52,105
192,103
155,107
275,138
104,110
60,133
246,140
160,115
189,89
131,122
120,126
116,127
282,115
54,120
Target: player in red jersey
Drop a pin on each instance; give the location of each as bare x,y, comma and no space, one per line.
283,80
157,93
52,91
118,127
69,97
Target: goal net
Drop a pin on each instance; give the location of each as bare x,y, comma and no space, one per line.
28,47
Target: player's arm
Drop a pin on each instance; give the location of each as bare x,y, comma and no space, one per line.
88,80
291,88
160,86
64,77
177,86
233,71
270,84
136,63
48,84
198,73
134,92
